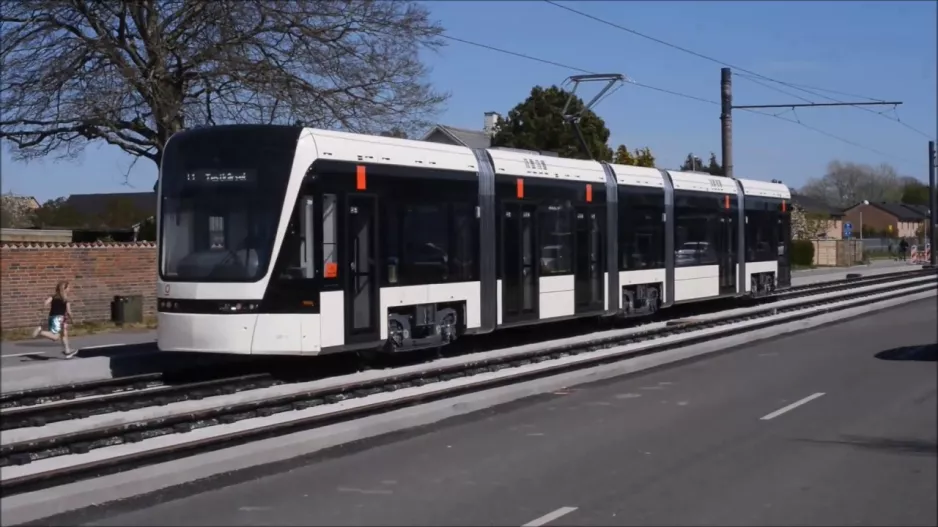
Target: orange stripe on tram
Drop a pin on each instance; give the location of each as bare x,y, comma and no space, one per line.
360,178
520,189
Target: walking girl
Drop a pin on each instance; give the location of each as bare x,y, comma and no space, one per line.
60,315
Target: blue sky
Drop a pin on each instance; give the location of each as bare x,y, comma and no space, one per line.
884,50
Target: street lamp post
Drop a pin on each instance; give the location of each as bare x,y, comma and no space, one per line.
865,202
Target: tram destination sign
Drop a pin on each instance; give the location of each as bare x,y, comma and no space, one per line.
220,177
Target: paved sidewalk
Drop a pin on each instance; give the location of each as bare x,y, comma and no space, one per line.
874,265
829,274
16,350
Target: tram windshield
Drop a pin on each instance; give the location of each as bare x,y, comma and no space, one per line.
222,192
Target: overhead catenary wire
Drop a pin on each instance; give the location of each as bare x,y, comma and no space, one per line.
669,92
801,87
828,134
572,68
864,108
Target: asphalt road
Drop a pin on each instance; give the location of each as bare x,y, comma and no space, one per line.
704,443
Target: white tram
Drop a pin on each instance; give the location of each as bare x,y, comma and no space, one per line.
294,241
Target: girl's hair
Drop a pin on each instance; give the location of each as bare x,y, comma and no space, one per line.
60,290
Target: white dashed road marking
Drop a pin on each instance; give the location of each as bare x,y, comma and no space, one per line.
549,517
791,406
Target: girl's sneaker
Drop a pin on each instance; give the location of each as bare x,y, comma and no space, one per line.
70,353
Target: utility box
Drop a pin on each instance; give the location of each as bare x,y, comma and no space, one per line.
127,309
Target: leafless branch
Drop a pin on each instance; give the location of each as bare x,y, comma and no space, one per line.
846,184
133,72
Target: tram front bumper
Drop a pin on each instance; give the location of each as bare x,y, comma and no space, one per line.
192,332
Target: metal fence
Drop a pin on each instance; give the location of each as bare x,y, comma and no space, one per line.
888,245
879,244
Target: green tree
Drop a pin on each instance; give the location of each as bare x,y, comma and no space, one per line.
147,231
692,163
644,158
623,156
58,213
714,167
640,157
7,219
120,213
914,192
537,124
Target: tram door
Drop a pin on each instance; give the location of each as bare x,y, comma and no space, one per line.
783,279
726,251
519,262
361,293
588,273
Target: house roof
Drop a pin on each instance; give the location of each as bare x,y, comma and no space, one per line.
921,209
462,136
97,204
814,205
899,211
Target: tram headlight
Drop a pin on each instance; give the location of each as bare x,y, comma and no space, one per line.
207,307
238,307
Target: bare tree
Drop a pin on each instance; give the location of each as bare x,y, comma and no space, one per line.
133,72
846,184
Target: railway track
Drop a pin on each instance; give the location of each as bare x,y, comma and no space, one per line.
39,407
41,457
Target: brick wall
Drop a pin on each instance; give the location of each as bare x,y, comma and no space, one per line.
97,271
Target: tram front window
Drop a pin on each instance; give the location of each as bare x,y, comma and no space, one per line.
222,192
221,237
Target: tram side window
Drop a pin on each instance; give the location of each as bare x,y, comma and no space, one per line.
427,243
768,249
753,234
426,247
641,229
462,265
291,250
696,221
391,235
761,231
783,235
556,234
330,235
296,249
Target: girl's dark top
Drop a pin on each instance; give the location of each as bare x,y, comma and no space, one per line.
58,307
